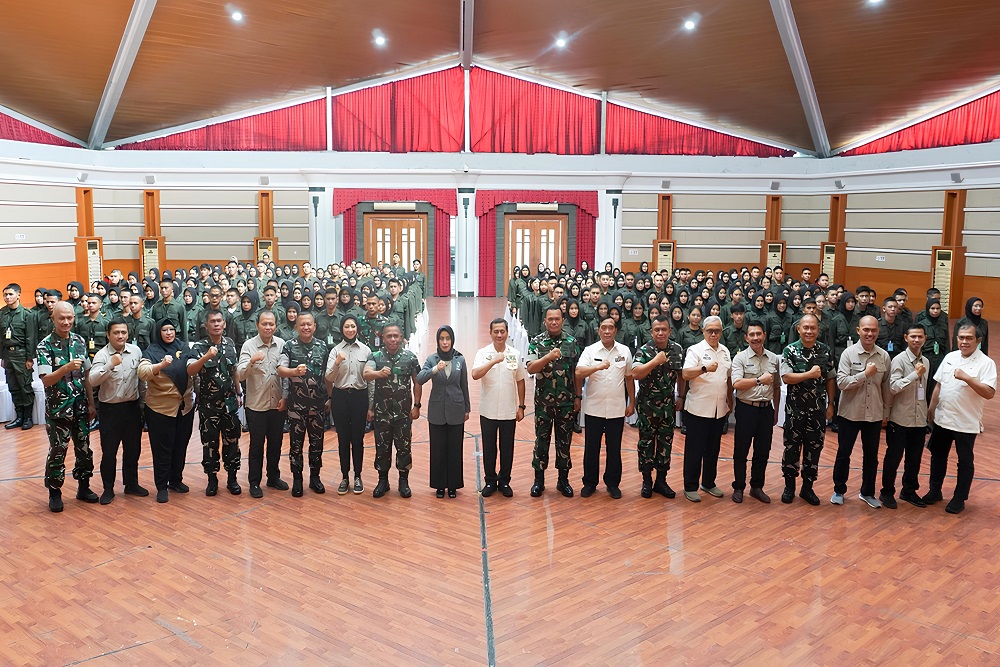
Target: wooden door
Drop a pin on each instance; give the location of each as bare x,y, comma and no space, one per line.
389,233
531,239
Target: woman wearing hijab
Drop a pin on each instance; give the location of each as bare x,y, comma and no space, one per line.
973,316
169,407
779,326
937,342
349,400
244,325
448,409
286,328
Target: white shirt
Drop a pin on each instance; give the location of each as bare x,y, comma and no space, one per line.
349,374
604,390
708,394
498,397
959,408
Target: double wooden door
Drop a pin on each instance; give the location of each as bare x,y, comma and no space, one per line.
387,234
534,239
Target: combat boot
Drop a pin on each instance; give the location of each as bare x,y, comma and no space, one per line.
26,422
661,487
297,484
55,500
232,484
314,481
18,419
84,493
562,486
404,484
213,484
788,495
807,494
382,487
539,485
647,484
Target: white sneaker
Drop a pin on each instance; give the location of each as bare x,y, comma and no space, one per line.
837,499
871,500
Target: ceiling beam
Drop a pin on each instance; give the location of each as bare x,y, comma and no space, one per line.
28,120
135,30
792,41
468,8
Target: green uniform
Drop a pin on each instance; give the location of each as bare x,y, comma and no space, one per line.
635,334
17,327
203,316
805,409
307,399
391,399
655,406
555,391
734,339
140,331
67,412
175,311
328,327
217,405
43,323
94,333
779,328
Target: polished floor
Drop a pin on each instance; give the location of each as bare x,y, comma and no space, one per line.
336,580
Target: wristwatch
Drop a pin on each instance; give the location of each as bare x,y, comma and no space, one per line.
758,382
522,407
416,405
704,369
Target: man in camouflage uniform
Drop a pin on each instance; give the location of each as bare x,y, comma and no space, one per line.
17,326
371,324
213,360
394,402
807,367
657,367
63,366
303,362
552,357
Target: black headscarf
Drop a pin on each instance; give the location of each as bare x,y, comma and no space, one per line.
157,350
977,320
445,356
927,310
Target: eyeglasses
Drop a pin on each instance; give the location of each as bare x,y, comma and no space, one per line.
713,332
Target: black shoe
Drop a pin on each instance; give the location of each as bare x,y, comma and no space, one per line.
806,494
834,426
614,492
647,485
439,493
586,492
404,486
213,484
287,427
932,497
55,500
315,483
256,491
94,425
725,427
488,490
232,484
955,506
245,429
663,489
539,486
16,423
136,490
760,495
107,497
577,428
912,498
563,486
179,487
85,494
684,430
507,491
27,423
887,501
279,484
297,484
162,495
344,488
381,488
452,493
788,495
737,495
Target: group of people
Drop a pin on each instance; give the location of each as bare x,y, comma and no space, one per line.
687,345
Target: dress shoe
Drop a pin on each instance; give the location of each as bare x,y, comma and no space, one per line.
837,499
162,495
912,498
279,484
404,485
85,494
55,500
614,492
714,491
693,496
17,421
256,491
932,497
213,484
297,484
439,493
887,501
834,426
587,490
136,490
488,490
382,487
344,487
647,485
507,491
107,497
577,428
955,506
178,486
760,495
452,493
661,487
232,484
788,495
27,423
871,501
563,485
808,495
737,495
359,486
315,483
539,486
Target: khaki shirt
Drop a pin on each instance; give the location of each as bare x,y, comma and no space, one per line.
864,399
121,383
909,397
264,386
747,364
348,375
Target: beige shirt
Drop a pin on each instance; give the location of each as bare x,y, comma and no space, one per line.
498,397
264,387
121,383
161,392
864,399
348,375
708,394
746,364
909,397
959,408
604,390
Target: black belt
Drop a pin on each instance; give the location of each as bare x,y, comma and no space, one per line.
756,404
350,389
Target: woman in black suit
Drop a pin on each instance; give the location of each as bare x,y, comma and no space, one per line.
447,411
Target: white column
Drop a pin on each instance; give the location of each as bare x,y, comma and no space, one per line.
325,230
467,245
609,230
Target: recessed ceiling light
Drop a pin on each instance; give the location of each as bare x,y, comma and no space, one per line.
690,25
237,16
562,40
561,43
378,38
874,2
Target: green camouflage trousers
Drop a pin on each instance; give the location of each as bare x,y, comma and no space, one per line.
389,433
547,418
656,442
305,419
61,431
213,426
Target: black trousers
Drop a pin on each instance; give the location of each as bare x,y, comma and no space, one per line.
168,442
701,450
265,427
871,433
900,441
490,429
121,426
940,446
446,455
350,411
611,430
754,426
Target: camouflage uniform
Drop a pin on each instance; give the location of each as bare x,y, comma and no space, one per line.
391,400
17,328
370,331
805,409
217,405
555,391
307,399
66,409
655,404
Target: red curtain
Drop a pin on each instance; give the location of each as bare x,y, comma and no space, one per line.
634,132
974,123
445,203
16,130
420,114
510,115
587,211
296,128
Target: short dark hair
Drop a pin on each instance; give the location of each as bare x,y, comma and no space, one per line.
115,320
737,308
212,312
662,318
266,289
916,325
496,321
13,286
391,325
555,308
755,323
968,325
888,299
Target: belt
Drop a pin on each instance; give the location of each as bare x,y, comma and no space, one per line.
757,404
350,389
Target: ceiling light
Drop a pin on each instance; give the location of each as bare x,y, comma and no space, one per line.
562,40
380,40
561,43
874,2
690,25
378,37
237,16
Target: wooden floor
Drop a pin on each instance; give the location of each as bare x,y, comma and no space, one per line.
335,580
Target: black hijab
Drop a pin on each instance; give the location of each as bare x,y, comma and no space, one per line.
157,350
927,310
445,356
969,315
